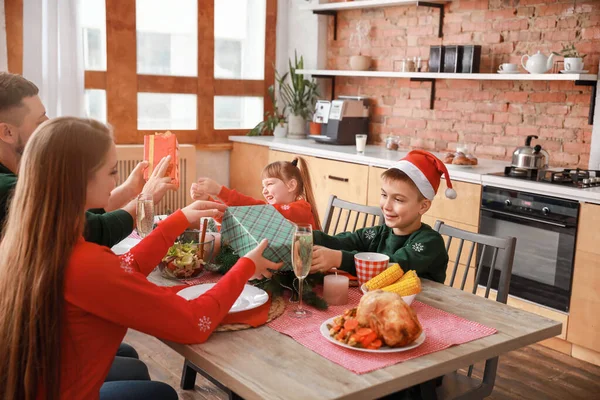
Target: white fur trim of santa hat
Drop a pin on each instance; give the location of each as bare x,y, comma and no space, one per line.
417,176
426,170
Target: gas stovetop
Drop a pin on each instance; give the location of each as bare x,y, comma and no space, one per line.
576,178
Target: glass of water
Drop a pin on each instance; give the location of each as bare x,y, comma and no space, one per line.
144,214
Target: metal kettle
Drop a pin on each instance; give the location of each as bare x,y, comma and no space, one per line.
528,157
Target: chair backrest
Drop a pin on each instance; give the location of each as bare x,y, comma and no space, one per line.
486,244
353,216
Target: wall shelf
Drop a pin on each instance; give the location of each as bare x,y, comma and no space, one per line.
447,75
578,79
333,8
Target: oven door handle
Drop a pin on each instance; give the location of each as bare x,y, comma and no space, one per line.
541,221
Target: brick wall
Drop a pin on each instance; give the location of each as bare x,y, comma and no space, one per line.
492,117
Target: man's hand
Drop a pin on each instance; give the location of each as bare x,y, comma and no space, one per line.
158,183
204,188
324,259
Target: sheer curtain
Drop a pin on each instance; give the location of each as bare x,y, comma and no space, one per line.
3,50
53,54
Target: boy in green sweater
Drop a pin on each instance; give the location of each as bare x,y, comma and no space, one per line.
407,190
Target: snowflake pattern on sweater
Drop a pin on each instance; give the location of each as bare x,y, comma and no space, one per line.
285,207
204,324
370,234
418,247
127,262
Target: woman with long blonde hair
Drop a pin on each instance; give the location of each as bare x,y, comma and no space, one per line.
66,304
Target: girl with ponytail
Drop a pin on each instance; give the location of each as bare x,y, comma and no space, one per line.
287,186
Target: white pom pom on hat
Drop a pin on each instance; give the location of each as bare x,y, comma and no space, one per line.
426,170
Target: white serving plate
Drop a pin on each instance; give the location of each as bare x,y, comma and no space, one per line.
251,297
384,349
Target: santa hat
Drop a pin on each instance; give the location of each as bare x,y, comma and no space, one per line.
425,170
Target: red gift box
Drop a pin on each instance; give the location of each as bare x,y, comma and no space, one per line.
158,146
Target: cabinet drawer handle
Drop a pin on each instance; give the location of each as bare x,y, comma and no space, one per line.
337,178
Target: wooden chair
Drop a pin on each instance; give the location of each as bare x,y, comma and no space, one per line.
345,210
455,385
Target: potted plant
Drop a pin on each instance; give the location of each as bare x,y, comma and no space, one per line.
275,122
359,36
299,95
573,60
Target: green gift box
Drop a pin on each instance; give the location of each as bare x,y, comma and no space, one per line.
243,228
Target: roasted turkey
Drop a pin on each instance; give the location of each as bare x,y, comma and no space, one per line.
390,317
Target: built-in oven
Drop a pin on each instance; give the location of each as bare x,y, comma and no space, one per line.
545,228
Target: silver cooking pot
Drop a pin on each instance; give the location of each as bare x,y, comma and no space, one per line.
530,157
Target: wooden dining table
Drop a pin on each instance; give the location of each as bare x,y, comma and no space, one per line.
262,363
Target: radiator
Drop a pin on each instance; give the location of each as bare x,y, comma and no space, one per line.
129,156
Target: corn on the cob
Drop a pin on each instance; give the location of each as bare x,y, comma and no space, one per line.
408,285
385,278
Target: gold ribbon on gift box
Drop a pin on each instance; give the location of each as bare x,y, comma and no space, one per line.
151,155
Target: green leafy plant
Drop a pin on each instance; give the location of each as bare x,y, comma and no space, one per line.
272,118
299,95
569,51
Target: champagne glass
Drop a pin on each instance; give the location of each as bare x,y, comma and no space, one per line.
302,248
144,214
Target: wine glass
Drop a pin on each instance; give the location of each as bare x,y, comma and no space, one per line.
144,214
302,248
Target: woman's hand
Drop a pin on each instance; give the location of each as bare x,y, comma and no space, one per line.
262,264
158,183
324,259
200,209
204,188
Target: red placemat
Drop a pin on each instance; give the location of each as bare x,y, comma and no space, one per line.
443,330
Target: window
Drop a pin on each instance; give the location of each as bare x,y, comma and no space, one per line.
198,68
92,14
240,39
232,112
166,111
167,37
95,104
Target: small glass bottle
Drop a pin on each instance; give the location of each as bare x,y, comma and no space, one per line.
391,142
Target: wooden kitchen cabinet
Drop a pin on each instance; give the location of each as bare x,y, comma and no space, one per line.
584,318
245,166
374,190
464,209
345,180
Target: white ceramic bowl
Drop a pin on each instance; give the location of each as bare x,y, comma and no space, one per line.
407,299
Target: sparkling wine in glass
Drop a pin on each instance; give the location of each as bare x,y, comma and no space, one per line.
302,248
144,214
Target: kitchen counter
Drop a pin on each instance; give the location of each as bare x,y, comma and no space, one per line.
379,156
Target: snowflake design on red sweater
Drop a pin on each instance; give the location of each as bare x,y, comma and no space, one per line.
285,207
127,262
204,324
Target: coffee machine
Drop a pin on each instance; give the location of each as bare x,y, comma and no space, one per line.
341,119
